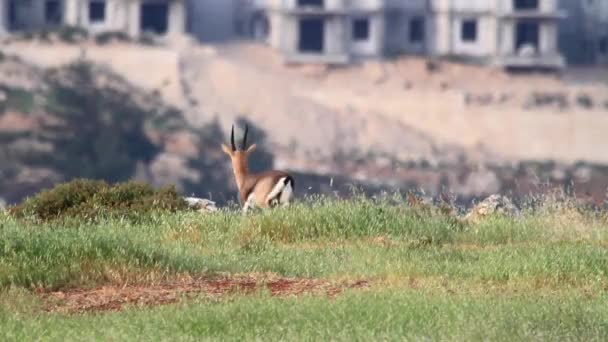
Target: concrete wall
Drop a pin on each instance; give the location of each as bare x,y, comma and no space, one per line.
448,19
3,18
212,20
374,45
177,18
548,38
485,44
336,36
470,6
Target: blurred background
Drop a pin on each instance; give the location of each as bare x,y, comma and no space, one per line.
464,98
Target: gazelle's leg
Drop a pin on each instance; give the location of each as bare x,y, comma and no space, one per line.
249,204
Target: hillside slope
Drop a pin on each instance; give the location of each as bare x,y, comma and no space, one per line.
402,109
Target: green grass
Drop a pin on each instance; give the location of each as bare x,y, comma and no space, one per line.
364,316
543,275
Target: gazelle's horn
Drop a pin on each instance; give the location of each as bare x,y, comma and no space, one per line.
232,139
245,137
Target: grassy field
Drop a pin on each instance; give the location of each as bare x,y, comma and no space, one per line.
420,274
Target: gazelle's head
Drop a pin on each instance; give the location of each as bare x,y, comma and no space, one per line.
238,156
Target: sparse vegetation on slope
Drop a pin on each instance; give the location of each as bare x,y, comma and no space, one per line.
83,121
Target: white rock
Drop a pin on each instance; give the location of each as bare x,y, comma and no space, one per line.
201,204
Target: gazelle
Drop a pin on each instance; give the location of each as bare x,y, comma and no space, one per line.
266,189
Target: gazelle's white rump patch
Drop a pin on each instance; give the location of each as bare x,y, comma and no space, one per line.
286,194
281,192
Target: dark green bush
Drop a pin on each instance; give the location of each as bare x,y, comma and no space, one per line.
106,37
92,199
72,34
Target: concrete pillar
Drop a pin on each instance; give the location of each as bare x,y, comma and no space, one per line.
548,38
378,33
275,30
118,15
442,34
3,17
177,17
334,37
134,17
290,32
506,29
71,12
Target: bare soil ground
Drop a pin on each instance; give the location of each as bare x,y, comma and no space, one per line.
115,298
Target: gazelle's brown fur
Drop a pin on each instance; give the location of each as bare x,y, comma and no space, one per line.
264,189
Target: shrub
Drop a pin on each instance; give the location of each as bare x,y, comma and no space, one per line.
18,99
432,66
106,37
93,199
585,101
72,34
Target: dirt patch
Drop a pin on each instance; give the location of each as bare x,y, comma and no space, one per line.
115,298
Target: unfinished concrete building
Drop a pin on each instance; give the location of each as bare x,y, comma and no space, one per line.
329,31
509,33
133,17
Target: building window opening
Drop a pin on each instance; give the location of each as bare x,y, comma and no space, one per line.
97,11
603,46
155,17
260,27
52,12
523,5
310,3
361,29
311,37
469,30
13,18
527,36
417,30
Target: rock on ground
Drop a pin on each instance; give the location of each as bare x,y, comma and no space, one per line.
495,204
201,205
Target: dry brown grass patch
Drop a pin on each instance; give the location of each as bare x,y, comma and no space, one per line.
115,298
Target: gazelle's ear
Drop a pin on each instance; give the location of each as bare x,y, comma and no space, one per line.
227,150
251,148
